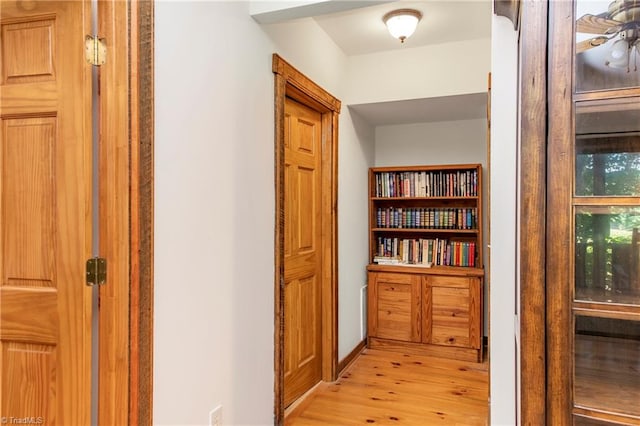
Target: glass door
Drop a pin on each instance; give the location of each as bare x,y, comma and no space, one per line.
606,255
593,234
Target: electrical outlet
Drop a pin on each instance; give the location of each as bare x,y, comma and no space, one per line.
215,416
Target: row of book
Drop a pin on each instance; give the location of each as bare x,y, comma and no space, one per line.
443,183
427,218
425,251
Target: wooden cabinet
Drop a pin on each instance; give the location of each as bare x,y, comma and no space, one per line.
425,273
426,311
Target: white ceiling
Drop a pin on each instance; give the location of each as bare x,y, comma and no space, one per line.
356,27
445,108
361,31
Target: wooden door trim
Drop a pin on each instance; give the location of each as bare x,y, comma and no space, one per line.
142,206
113,328
126,213
559,246
532,223
289,82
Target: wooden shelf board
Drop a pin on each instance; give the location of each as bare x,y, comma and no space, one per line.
427,230
434,270
422,198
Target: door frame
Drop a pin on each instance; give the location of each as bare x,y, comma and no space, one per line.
126,213
533,207
142,212
291,83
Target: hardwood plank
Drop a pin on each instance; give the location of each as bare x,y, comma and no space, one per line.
383,387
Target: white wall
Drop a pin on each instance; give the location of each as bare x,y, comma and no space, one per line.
356,156
307,47
420,72
214,215
444,142
504,65
214,207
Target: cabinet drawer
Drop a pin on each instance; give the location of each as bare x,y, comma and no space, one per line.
448,281
390,277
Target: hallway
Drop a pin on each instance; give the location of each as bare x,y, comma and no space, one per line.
388,388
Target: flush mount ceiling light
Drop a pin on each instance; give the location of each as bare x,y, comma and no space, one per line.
402,23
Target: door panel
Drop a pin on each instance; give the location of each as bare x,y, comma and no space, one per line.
45,145
450,316
453,318
29,48
29,222
308,299
305,220
395,301
302,264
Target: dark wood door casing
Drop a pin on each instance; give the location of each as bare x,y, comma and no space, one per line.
533,170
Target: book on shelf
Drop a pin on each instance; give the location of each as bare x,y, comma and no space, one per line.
383,260
427,218
427,183
425,251
386,260
426,215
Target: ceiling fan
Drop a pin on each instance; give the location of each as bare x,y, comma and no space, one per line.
622,19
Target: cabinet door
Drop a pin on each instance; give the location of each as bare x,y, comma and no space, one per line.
394,306
451,311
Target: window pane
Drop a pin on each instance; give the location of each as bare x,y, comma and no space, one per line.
607,364
608,148
607,48
607,254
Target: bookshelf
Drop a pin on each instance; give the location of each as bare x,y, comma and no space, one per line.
425,270
426,215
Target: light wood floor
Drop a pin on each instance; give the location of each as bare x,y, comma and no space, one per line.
388,388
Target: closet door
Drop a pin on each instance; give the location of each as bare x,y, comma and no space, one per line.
593,219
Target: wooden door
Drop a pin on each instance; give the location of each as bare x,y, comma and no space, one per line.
303,259
45,213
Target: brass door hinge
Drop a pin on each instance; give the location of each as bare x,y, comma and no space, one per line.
96,271
95,50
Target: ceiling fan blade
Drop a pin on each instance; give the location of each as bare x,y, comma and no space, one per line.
596,25
591,43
